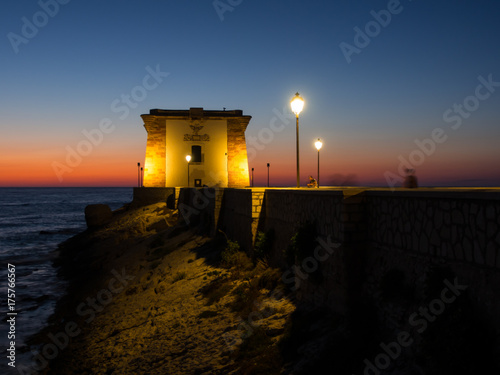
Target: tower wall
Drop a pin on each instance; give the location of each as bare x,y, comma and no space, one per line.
237,158
154,170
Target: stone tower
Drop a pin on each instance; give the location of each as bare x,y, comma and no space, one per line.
214,139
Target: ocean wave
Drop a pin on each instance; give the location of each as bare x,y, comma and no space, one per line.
62,231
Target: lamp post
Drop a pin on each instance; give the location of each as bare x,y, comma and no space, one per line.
252,177
318,145
138,174
142,177
297,104
267,174
188,159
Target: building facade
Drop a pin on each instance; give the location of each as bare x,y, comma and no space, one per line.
215,140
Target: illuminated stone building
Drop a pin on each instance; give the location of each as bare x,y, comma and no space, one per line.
214,139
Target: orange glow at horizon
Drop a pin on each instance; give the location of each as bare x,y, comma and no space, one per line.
115,164
28,170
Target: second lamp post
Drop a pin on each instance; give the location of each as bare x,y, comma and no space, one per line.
318,145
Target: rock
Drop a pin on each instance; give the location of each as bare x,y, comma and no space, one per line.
97,215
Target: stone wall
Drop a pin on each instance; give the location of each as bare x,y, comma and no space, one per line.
418,233
374,235
237,162
144,196
155,162
455,226
235,217
285,210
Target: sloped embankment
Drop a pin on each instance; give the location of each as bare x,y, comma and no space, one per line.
148,295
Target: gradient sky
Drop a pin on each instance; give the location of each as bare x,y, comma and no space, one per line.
397,89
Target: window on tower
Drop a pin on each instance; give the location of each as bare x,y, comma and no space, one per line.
196,154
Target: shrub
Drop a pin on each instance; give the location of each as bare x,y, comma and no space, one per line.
227,255
264,243
232,257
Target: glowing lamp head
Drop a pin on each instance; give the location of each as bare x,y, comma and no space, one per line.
188,158
318,144
297,104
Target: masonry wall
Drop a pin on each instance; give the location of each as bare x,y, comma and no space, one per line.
285,210
155,162
235,217
416,234
144,196
462,227
380,240
237,152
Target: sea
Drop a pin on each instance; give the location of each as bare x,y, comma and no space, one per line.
33,221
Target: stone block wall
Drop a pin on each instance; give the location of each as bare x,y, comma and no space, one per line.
155,162
286,210
380,233
235,217
463,227
237,152
144,196
257,202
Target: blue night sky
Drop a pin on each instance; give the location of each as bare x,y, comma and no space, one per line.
418,72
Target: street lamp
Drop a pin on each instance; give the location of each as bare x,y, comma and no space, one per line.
318,145
252,177
188,159
267,174
297,104
138,174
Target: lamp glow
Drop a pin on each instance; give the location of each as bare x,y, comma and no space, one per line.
188,159
318,144
297,104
